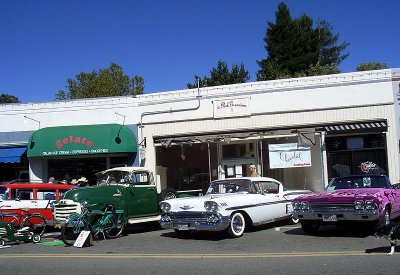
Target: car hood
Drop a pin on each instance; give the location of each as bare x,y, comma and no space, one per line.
223,200
342,195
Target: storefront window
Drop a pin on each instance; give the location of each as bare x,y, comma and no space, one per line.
186,166
355,155
245,150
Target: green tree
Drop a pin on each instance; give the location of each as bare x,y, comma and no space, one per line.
221,75
111,81
6,98
295,48
369,66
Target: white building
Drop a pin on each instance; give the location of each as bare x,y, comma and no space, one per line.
301,131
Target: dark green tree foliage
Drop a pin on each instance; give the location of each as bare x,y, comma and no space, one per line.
111,81
221,75
371,66
6,98
295,48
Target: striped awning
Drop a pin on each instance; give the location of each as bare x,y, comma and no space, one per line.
362,127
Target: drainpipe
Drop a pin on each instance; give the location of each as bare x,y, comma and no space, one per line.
173,110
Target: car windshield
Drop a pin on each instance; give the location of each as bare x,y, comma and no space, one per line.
231,186
356,182
3,193
123,177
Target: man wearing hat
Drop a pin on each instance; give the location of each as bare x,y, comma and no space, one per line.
253,171
82,181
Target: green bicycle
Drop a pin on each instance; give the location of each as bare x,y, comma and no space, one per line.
108,222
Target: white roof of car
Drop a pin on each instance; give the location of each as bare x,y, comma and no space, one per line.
125,169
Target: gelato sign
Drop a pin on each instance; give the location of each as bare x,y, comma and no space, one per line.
74,145
232,107
289,155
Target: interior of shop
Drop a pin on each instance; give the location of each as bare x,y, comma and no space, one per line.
78,167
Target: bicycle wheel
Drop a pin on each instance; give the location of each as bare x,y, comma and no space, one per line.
36,224
71,230
114,225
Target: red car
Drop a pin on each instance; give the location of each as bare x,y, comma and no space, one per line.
16,197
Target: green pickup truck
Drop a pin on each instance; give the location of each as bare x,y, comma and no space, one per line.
132,189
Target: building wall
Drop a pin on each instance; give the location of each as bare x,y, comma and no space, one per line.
293,103
290,103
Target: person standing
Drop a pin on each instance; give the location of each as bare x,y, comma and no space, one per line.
253,171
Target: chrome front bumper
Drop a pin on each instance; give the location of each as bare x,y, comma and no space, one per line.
198,221
355,215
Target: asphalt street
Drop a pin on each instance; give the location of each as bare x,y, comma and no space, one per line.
146,249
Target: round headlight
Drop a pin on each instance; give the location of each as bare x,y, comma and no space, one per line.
211,206
359,205
165,207
370,205
84,207
305,205
296,205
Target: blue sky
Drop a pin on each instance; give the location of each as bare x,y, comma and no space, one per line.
44,42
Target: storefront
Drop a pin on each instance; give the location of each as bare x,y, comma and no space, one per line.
301,131
71,152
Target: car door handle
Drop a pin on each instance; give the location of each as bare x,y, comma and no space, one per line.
117,195
150,188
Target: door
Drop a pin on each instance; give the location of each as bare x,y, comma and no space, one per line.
236,168
141,196
235,159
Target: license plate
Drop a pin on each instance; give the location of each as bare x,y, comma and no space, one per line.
330,218
183,227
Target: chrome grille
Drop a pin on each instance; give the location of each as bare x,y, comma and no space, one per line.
332,206
189,217
62,211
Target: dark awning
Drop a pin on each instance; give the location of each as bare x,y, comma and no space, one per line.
362,127
11,155
82,140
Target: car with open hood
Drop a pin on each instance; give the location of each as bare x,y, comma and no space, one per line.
230,204
365,198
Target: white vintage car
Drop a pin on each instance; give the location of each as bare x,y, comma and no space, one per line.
230,204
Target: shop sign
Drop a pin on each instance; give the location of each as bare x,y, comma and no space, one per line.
81,140
289,155
232,107
368,166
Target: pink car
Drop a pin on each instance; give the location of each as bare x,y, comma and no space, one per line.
365,198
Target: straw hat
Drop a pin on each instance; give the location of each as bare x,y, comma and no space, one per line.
82,179
74,181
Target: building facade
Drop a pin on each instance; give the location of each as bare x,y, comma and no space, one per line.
301,131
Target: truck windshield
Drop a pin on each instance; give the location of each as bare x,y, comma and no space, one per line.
114,177
357,182
124,177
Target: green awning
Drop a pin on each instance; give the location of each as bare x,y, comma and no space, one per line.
82,140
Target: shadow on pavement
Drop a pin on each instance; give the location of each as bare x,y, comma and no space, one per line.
382,249
141,228
349,230
197,235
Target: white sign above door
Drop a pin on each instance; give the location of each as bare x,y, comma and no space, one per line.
289,155
232,107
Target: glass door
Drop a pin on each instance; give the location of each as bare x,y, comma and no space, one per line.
235,168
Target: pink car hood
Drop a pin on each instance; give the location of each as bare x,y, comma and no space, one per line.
345,195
